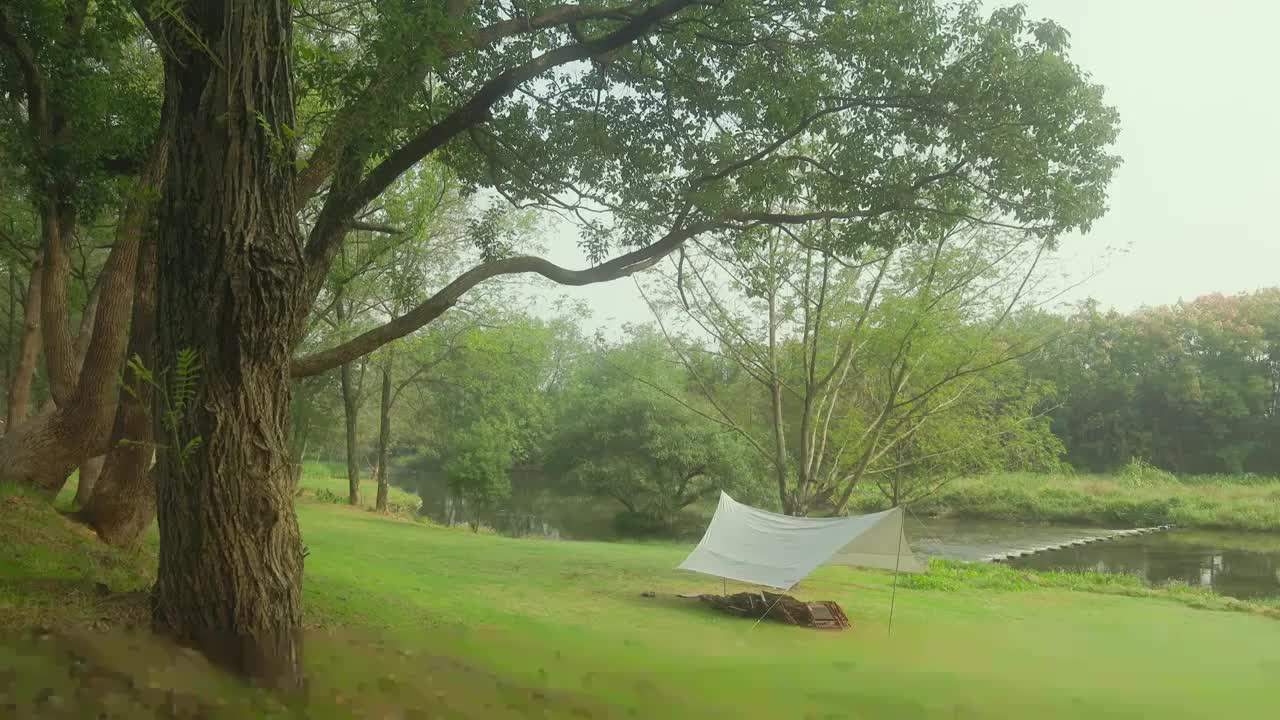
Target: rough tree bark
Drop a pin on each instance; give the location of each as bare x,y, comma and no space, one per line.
230,288
123,503
90,467
28,352
90,471
56,222
384,437
42,452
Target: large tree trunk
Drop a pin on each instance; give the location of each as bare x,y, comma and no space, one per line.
231,290
28,352
124,502
351,417
384,437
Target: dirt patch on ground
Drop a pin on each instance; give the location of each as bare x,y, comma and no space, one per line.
113,674
109,674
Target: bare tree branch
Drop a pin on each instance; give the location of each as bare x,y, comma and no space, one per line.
552,16
437,304
376,227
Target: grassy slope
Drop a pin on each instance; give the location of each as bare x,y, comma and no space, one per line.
571,615
1219,502
405,615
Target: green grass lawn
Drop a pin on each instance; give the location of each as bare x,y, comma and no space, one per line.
329,482
408,618
571,615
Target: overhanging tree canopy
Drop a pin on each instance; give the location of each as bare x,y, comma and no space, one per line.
648,122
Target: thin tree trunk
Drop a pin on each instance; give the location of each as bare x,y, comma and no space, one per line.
776,411
88,317
786,497
8,343
56,222
28,352
384,437
302,445
351,418
231,290
350,411
124,502
90,470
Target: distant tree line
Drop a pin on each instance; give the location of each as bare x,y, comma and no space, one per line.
656,422
1191,388
775,373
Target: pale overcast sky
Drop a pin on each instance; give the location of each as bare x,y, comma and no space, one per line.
1193,208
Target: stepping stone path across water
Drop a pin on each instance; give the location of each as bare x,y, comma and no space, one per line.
1024,552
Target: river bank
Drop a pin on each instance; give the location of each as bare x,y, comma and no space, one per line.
1221,502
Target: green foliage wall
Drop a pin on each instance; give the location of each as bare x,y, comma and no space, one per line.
1190,388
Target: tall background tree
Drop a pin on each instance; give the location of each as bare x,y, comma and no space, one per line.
855,370
1191,387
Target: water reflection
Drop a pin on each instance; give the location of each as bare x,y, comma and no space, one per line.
1244,565
965,539
1192,558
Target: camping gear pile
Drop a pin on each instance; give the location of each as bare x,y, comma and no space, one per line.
824,614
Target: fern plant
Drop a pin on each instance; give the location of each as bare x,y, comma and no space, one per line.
174,397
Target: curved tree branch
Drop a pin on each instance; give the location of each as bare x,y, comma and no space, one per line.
437,304
551,16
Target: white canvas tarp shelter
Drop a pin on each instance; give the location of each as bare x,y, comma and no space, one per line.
763,548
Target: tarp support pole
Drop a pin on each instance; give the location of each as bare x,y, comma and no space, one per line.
893,598
770,609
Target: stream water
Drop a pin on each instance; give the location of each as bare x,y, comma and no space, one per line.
1242,565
